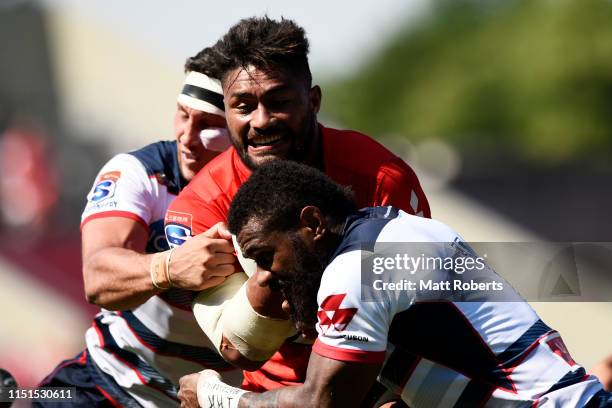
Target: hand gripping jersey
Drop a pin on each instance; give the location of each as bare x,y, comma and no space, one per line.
377,177
442,353
146,350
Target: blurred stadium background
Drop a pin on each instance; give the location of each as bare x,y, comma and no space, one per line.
503,107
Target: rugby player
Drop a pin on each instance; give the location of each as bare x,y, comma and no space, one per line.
145,337
306,235
271,110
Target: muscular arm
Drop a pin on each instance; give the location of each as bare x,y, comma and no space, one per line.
329,383
116,269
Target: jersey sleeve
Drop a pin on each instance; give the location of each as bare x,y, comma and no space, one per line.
349,329
122,189
398,185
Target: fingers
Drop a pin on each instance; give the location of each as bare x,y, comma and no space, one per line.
219,230
221,258
212,282
220,270
212,244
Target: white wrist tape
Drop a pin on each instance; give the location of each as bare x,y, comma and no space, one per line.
208,306
255,336
214,393
226,310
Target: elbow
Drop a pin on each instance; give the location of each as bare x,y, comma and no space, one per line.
92,291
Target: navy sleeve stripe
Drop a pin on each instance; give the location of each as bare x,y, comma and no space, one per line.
201,355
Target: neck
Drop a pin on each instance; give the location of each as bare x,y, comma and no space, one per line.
332,241
314,155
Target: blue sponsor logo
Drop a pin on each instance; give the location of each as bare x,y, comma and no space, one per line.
177,234
103,190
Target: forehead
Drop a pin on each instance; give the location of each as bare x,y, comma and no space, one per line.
252,233
209,117
253,81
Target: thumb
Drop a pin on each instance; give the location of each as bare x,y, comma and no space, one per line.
219,230
223,231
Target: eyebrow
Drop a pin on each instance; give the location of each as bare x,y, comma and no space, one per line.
273,90
241,95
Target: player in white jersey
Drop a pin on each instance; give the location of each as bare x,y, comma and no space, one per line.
424,346
145,337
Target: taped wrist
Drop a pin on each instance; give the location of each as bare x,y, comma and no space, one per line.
158,269
255,336
226,311
208,306
212,392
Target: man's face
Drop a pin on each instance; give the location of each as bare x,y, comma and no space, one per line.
188,123
270,114
287,260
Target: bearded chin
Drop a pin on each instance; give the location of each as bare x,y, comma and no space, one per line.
301,292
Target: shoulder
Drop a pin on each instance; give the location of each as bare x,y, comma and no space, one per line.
220,176
343,142
360,153
411,228
156,156
122,165
160,161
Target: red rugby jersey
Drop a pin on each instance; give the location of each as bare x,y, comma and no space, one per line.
377,177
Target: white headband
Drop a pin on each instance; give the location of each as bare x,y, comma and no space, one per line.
202,93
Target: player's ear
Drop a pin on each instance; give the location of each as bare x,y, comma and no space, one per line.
312,219
315,98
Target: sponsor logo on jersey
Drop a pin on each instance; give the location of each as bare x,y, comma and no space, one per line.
331,316
354,337
177,234
181,218
105,187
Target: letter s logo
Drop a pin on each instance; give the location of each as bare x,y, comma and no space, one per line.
103,190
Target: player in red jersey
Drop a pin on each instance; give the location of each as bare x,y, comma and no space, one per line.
271,111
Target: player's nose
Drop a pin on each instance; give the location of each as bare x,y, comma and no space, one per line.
191,133
260,119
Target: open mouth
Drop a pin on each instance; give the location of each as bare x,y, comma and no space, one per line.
259,141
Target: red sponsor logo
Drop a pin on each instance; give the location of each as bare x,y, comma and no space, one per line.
175,217
332,316
111,175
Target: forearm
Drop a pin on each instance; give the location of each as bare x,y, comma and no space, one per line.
118,278
286,397
212,392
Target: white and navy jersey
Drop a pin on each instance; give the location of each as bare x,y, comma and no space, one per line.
441,353
146,350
